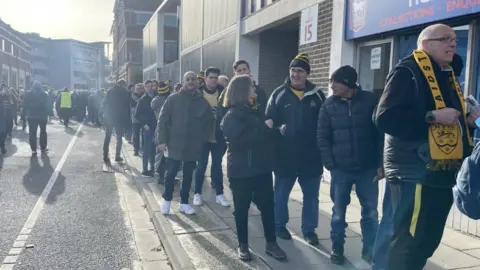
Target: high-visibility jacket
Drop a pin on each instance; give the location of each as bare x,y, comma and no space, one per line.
66,100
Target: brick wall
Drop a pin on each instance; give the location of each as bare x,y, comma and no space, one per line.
277,49
319,52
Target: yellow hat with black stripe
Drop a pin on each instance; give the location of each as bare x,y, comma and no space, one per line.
301,61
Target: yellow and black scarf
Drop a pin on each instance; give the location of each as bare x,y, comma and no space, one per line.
445,142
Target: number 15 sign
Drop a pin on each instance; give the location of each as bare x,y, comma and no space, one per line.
309,25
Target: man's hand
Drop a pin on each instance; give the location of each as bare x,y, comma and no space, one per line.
161,147
146,127
283,129
446,116
380,174
269,123
471,119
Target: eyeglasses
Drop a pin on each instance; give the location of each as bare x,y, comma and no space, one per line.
444,39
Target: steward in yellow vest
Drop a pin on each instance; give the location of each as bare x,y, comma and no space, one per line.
63,105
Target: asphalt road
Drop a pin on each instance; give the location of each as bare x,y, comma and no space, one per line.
80,224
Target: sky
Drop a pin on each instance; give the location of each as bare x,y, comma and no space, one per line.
85,20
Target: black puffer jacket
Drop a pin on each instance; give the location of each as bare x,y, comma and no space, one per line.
347,137
296,151
250,146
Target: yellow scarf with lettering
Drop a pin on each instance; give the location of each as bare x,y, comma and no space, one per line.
445,142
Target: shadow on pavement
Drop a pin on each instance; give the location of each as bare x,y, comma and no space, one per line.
38,175
11,149
72,131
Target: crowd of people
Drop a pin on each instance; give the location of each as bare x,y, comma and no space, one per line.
417,136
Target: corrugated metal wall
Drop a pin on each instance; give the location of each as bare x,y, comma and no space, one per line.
191,17
191,61
171,72
218,15
220,54
150,38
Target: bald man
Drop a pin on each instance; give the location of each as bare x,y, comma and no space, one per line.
184,126
427,135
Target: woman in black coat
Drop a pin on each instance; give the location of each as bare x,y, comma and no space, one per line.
250,161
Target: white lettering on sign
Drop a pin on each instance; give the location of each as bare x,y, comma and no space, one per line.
412,3
309,25
375,58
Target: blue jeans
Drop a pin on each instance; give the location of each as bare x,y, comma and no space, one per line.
148,154
310,188
384,233
367,192
217,152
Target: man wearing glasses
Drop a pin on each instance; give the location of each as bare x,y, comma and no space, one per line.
427,135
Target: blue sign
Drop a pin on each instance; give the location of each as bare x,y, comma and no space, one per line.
368,17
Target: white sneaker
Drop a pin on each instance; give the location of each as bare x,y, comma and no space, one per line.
166,207
222,200
186,209
197,200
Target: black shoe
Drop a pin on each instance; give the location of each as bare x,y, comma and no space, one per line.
136,153
337,255
367,254
275,251
311,238
147,173
34,153
118,159
283,233
244,253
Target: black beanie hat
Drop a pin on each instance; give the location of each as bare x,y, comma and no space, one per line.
346,75
301,61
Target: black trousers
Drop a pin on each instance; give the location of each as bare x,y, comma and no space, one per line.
3,136
170,173
136,127
419,217
244,189
33,125
109,127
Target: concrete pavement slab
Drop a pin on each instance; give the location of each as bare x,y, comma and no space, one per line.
216,251
450,258
323,230
255,226
204,220
459,241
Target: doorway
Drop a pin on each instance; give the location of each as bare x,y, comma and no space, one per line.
374,61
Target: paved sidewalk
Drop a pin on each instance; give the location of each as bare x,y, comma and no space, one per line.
207,240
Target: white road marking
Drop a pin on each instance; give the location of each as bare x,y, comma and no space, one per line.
20,241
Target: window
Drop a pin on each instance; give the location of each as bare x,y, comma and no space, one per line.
374,60
143,18
3,44
11,48
170,52
5,75
171,20
13,80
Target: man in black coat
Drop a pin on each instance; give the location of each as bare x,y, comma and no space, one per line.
145,115
36,110
351,149
115,109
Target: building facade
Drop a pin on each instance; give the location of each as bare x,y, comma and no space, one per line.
266,33
76,65
130,17
160,43
40,57
15,58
